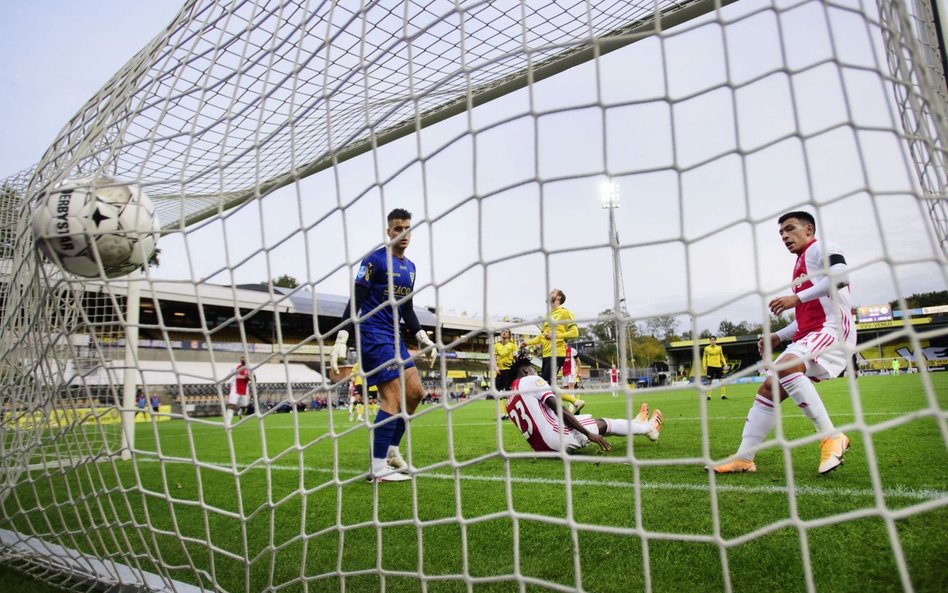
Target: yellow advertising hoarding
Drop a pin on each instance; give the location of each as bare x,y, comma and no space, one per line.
70,417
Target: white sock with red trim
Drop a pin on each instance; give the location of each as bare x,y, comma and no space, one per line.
802,391
624,428
760,421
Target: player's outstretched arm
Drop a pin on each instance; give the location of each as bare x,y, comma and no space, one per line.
574,423
784,303
601,442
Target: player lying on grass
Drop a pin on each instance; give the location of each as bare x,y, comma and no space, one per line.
533,410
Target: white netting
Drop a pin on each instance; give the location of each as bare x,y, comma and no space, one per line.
276,92
274,136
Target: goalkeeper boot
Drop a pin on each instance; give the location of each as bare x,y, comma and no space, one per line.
382,472
391,476
395,461
578,406
642,416
831,452
657,421
736,466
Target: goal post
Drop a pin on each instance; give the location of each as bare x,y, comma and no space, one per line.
274,137
130,379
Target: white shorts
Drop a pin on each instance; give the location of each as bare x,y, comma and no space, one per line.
574,439
241,401
568,380
825,357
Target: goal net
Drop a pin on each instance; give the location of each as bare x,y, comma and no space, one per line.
274,137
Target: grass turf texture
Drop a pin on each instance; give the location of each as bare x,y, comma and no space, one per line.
283,504
18,582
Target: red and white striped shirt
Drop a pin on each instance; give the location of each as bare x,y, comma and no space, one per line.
569,363
818,311
241,381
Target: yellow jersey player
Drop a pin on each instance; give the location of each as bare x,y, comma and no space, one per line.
554,332
356,394
715,364
373,400
504,350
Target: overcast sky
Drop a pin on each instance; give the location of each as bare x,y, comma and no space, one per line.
697,220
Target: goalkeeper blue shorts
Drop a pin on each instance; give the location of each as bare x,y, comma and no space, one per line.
379,362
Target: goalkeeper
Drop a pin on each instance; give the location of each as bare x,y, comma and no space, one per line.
382,355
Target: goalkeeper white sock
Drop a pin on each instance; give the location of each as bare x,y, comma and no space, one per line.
380,467
802,391
626,427
760,421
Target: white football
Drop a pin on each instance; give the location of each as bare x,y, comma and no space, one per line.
90,226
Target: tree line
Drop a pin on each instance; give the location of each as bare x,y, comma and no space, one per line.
645,340
923,299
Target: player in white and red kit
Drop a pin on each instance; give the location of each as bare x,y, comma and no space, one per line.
533,410
571,378
614,380
569,368
823,338
238,397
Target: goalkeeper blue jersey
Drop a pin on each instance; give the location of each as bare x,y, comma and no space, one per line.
373,274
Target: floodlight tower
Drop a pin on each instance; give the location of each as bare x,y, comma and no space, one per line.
609,198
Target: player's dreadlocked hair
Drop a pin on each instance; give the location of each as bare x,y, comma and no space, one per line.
521,361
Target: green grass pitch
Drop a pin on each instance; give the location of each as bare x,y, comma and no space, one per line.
283,506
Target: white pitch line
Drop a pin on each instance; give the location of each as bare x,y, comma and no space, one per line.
893,492
425,424
668,418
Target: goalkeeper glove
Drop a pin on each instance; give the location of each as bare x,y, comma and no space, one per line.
426,344
339,350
